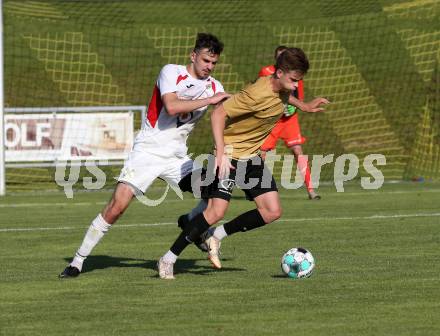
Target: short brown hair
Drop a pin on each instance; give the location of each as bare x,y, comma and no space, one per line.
278,50
292,59
210,42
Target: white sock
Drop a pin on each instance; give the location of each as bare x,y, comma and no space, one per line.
203,204
169,257
93,235
220,232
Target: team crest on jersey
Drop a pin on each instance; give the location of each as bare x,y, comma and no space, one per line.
210,89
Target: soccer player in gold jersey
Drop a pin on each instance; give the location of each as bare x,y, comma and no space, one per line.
240,125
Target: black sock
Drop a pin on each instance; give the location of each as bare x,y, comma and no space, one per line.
196,227
192,231
247,221
183,221
180,244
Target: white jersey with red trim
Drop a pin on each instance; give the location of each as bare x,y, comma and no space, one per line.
164,134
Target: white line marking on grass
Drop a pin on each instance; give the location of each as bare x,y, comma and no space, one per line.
360,217
30,205
122,226
371,193
26,205
38,229
81,228
366,193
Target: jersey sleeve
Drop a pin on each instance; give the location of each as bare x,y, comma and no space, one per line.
167,80
267,70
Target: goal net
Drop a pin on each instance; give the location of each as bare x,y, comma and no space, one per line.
377,61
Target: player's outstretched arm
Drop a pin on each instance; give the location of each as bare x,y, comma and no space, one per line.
175,106
314,105
218,117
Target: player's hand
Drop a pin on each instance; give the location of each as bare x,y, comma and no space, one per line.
315,105
218,97
224,166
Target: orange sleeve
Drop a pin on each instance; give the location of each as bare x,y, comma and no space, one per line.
301,90
266,71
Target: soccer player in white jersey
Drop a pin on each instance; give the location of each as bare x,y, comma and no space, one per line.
181,96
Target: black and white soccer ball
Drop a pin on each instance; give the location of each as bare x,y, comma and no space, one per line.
298,263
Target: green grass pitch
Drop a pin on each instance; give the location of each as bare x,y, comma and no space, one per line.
377,269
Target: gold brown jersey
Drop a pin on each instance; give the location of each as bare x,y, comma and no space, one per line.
252,113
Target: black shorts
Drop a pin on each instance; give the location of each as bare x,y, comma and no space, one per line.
186,183
252,176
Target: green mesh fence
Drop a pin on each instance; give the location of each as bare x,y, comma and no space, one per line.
377,61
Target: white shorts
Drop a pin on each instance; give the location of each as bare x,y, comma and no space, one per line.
142,168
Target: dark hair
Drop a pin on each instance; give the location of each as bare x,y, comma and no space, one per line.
292,59
210,42
279,49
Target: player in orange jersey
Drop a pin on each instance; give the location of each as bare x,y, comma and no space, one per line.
288,129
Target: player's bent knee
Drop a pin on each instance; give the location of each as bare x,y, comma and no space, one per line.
278,213
273,215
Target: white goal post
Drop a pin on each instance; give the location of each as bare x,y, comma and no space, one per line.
2,133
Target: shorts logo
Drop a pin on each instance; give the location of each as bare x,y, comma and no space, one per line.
227,185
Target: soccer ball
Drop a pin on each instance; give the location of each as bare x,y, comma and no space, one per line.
297,263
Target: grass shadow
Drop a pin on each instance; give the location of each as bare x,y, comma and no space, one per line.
97,262
199,266
193,267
